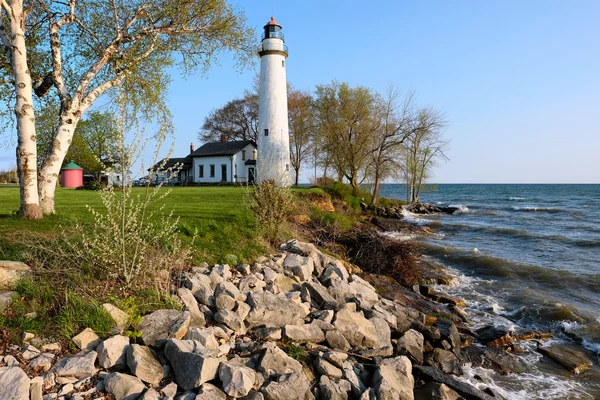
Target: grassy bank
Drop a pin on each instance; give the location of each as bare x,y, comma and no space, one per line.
218,213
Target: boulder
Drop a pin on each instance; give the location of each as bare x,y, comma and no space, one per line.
267,333
205,336
169,391
494,336
87,340
119,317
11,272
161,325
300,266
224,302
229,289
411,344
187,297
326,368
567,356
42,363
336,358
449,332
275,361
437,391
143,364
274,310
251,283
357,330
200,286
78,367
123,387
15,384
393,379
237,380
210,392
364,291
36,388
231,319
320,297
30,352
333,389
113,352
324,315
462,388
356,384
445,361
337,341
152,394
290,386
308,333
192,363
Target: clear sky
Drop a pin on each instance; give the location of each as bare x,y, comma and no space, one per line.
518,80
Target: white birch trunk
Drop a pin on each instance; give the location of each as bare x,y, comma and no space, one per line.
24,112
48,178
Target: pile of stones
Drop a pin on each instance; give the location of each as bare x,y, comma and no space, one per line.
296,325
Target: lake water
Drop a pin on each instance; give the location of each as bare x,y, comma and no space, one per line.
528,257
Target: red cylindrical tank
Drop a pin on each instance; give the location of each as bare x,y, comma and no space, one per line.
72,175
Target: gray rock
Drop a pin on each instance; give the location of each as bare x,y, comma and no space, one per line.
11,272
10,361
231,319
336,358
30,352
337,341
78,366
187,395
169,391
300,266
191,305
449,332
87,340
124,387
356,384
224,302
143,364
437,391
151,394
161,325
205,336
6,299
275,361
462,388
200,285
326,368
237,380
290,386
384,335
192,363
335,389
324,315
368,394
15,384
334,272
364,291
274,310
210,392
307,333
229,289
320,297
357,330
42,363
267,333
324,326
36,388
119,317
444,360
113,352
393,379
411,344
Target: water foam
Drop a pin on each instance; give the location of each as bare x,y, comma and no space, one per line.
460,209
413,218
515,198
399,236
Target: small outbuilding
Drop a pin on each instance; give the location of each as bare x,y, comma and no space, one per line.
71,175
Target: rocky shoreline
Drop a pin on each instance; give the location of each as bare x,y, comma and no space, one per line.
294,325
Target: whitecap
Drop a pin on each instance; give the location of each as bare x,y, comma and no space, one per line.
413,218
399,236
515,198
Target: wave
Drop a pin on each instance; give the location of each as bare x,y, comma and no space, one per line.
487,265
539,209
413,218
514,198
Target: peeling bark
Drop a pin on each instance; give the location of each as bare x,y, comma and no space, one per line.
24,112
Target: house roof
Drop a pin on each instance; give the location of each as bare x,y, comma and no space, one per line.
221,148
186,163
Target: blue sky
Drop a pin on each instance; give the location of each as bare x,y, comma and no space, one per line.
518,80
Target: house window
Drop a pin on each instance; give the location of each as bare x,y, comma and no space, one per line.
212,170
287,167
266,132
201,171
243,155
254,155
283,63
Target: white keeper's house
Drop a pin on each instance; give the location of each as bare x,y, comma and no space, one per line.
213,163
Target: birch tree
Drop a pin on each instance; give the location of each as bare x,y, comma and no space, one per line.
302,127
423,148
95,46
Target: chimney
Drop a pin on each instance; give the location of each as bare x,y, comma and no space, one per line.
223,138
191,147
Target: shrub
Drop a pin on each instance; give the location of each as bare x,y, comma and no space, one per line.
91,185
270,204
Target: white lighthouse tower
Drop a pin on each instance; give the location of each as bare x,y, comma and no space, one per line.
273,134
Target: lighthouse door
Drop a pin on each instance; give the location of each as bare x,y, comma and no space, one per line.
251,175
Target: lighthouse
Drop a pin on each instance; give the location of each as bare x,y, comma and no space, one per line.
273,134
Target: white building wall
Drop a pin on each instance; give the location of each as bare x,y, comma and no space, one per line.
274,149
217,161
242,168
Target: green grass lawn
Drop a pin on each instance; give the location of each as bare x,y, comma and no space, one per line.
219,214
